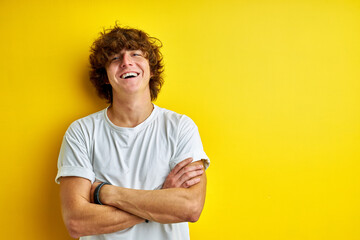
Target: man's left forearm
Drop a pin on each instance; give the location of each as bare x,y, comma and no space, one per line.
165,206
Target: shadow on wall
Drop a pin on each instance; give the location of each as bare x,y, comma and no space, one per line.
49,206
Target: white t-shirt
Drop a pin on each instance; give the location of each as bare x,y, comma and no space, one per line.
138,158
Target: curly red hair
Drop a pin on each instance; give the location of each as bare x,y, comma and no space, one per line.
112,41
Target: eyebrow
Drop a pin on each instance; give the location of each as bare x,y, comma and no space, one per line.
111,57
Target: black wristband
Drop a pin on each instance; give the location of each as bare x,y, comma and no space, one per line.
97,192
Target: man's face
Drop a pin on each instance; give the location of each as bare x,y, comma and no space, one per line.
129,73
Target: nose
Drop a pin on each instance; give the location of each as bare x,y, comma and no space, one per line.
126,60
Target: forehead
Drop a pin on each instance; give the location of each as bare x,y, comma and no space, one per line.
130,50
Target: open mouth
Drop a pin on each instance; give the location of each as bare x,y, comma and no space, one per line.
129,75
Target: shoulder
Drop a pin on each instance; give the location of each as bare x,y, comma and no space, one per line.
175,119
86,124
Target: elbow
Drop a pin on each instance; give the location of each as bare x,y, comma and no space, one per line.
194,216
73,228
194,205
194,212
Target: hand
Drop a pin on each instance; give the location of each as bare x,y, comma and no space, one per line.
184,175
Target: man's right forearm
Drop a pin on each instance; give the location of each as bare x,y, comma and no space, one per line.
97,219
83,218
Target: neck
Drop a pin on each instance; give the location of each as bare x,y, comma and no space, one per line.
130,112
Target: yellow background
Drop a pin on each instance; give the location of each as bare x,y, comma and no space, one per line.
272,85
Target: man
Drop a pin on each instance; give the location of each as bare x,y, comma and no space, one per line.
150,158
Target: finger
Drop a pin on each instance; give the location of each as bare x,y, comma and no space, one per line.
171,181
190,182
190,168
190,175
181,164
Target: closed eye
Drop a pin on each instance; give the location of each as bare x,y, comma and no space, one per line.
136,53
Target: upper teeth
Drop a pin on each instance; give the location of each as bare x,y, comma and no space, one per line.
129,74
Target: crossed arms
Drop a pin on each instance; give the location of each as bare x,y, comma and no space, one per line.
181,199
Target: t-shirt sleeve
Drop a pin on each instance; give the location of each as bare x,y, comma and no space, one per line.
74,157
188,144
